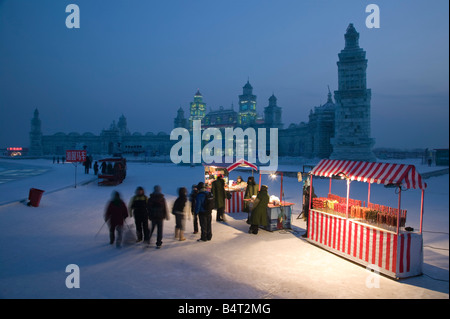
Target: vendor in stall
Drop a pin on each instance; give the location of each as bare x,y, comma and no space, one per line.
258,215
240,182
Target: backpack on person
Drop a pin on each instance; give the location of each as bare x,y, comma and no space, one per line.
209,203
156,209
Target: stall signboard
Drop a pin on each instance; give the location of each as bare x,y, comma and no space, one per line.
76,156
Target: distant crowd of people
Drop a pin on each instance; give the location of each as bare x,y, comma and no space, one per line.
199,204
57,159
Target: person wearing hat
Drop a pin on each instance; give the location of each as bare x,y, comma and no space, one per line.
203,208
240,182
218,191
192,197
181,209
306,191
258,215
138,209
251,190
116,213
157,212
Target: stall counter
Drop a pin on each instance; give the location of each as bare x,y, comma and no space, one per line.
395,255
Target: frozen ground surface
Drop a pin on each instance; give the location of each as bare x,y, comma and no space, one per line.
36,244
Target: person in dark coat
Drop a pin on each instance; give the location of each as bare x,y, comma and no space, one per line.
138,209
116,213
86,165
218,191
258,215
95,168
109,169
157,210
252,189
192,197
204,212
306,191
181,209
103,167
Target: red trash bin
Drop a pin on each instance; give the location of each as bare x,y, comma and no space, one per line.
35,196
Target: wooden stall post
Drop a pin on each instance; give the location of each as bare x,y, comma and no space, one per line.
281,188
310,192
421,211
399,206
348,197
329,187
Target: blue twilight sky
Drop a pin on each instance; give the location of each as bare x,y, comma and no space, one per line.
146,58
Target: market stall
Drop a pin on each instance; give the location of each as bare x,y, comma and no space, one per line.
373,235
279,212
235,203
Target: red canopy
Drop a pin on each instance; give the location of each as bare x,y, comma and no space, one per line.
241,162
372,172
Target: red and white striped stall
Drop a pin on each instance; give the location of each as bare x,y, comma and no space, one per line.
236,203
394,252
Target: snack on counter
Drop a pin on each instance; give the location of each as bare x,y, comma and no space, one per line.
376,214
274,200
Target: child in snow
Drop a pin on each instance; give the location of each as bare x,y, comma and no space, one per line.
181,209
192,197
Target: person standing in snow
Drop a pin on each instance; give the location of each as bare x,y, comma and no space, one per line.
258,215
181,209
306,191
192,196
86,165
95,168
103,168
250,191
116,213
203,208
218,191
157,212
138,209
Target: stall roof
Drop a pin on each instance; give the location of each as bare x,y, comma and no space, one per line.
241,162
372,172
229,168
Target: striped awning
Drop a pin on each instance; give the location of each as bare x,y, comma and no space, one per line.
371,172
243,163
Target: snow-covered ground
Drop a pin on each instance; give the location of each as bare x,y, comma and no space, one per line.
36,244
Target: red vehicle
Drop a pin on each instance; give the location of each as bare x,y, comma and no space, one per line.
114,171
